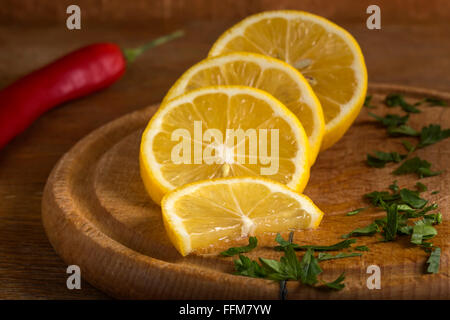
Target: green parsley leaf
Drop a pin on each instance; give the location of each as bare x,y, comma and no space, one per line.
435,192
402,130
246,267
394,187
271,266
379,198
390,120
328,256
334,247
407,230
356,211
337,246
416,165
422,231
421,187
362,248
405,208
393,100
421,213
390,156
291,265
380,158
336,284
390,228
432,134
411,198
365,231
433,218
277,270
412,165
367,102
426,172
435,102
309,268
408,146
434,261
284,244
252,243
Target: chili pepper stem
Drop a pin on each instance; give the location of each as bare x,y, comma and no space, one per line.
132,53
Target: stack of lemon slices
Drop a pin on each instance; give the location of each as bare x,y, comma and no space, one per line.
230,149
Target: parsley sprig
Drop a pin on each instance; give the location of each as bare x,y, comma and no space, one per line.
290,267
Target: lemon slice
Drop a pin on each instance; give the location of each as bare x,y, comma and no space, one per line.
327,55
223,131
271,75
201,214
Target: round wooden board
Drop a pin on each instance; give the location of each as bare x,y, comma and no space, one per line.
98,216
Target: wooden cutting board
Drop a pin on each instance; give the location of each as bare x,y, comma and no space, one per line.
98,216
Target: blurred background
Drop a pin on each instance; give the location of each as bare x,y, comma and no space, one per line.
412,48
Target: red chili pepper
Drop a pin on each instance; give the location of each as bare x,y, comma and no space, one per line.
75,75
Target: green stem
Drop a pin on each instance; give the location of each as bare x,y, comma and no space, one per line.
132,53
283,288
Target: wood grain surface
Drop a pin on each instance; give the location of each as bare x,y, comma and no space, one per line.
98,216
410,49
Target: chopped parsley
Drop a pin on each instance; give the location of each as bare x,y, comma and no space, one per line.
408,146
391,225
418,166
393,100
434,261
380,158
328,256
364,231
432,134
412,199
283,244
390,120
402,130
334,247
336,284
367,102
401,205
356,211
421,187
422,231
435,102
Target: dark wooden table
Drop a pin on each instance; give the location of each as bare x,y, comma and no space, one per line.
408,54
